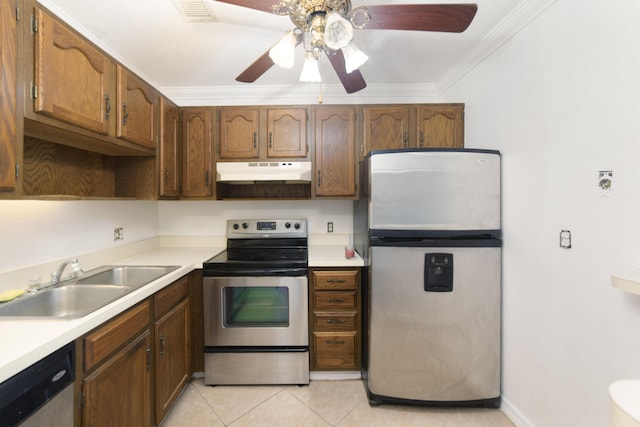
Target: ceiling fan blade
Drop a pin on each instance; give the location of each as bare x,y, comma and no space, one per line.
449,18
353,81
255,70
262,5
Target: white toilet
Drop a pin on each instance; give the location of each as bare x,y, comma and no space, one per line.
625,403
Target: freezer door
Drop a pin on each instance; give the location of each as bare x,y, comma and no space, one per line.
434,190
434,343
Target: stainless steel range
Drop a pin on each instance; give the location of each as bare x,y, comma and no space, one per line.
256,305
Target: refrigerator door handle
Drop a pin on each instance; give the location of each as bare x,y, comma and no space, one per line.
438,272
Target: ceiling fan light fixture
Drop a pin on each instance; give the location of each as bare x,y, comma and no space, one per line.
310,69
283,53
353,57
338,31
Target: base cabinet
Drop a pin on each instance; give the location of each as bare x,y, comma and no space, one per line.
135,366
335,319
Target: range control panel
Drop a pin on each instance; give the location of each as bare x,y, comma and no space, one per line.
266,228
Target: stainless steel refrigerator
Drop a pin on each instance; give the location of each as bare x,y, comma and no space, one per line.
428,226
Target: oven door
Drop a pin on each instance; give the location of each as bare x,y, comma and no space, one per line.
262,311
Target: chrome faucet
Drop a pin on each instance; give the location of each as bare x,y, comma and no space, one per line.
76,271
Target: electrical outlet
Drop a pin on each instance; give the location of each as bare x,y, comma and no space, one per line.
330,227
118,234
565,239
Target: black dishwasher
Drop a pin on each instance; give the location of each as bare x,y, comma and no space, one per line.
26,397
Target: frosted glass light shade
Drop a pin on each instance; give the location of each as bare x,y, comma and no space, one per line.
283,53
353,57
310,69
338,32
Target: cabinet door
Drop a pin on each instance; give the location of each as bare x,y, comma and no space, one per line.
239,133
386,127
72,76
173,357
335,147
197,146
118,393
8,118
137,109
440,126
287,132
169,152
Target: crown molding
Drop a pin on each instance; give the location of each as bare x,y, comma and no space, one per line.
526,12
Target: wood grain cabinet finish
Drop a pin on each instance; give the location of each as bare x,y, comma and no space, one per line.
335,319
117,358
169,170
72,77
412,126
263,133
137,109
197,152
8,112
172,345
335,152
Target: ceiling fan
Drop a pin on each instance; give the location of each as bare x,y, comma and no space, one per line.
327,26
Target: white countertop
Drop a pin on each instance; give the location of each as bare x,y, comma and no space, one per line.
628,282
25,341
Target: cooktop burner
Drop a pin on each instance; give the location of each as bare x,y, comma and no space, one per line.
262,247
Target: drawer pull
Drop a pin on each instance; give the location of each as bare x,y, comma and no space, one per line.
335,341
162,346
335,321
336,300
336,280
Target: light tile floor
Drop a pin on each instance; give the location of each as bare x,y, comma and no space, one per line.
322,404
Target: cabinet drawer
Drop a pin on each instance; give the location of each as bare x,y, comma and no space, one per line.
335,300
335,351
327,321
107,338
170,296
343,279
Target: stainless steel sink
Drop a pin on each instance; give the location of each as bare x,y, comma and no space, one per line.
133,276
78,297
63,302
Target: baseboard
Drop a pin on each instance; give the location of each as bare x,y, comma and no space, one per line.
514,414
332,375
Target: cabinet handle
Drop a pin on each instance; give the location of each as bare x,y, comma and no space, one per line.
148,359
255,140
107,107
336,300
405,139
334,341
421,138
125,114
336,280
335,321
162,346
270,139
166,176
319,180
206,178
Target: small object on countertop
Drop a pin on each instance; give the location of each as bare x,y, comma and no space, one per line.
349,250
11,294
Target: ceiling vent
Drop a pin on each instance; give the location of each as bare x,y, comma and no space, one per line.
194,10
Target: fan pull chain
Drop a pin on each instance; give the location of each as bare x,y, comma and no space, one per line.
320,95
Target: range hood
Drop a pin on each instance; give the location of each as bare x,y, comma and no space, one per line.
251,172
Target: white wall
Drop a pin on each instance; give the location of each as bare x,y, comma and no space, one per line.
36,232
561,101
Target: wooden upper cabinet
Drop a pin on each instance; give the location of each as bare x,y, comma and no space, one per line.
263,133
71,76
386,127
287,132
335,152
137,109
440,126
197,145
169,149
8,113
239,129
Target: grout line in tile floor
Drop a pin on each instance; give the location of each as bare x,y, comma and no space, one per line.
341,403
